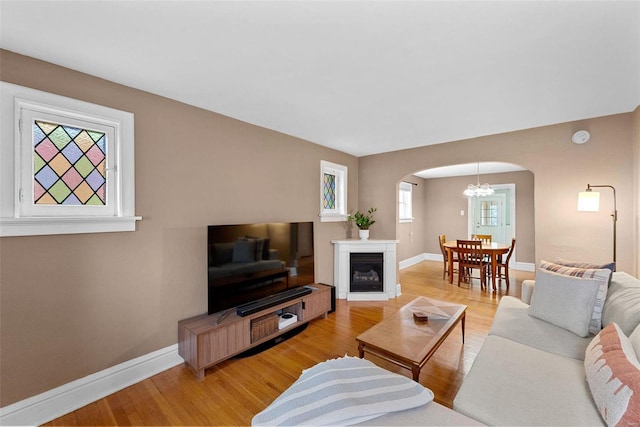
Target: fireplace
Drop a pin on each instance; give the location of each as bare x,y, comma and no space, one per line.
366,272
385,250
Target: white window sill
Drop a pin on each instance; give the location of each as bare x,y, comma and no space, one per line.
333,218
403,220
36,226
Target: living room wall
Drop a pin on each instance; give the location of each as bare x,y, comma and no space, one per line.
560,168
73,305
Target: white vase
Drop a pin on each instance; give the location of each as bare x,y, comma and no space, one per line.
364,234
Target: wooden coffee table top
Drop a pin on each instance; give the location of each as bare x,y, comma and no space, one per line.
409,342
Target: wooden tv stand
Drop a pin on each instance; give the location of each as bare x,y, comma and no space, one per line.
205,340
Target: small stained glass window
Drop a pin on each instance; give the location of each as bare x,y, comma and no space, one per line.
333,191
329,191
69,165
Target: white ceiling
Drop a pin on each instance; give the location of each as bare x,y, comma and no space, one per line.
482,168
362,77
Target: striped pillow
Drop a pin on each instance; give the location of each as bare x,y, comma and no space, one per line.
343,391
579,264
613,373
601,275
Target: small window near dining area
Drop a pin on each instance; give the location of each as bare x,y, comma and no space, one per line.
405,209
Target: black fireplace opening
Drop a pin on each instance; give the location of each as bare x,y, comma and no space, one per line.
366,272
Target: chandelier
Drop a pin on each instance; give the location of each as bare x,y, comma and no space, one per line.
478,190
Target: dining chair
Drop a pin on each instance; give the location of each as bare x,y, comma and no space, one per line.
470,258
505,264
445,256
485,238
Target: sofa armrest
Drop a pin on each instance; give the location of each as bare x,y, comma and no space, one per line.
527,290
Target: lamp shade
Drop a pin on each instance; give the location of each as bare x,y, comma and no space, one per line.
589,201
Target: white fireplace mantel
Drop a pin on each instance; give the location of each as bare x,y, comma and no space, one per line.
341,268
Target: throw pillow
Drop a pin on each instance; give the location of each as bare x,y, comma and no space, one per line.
343,391
635,340
579,264
564,301
244,251
601,275
611,367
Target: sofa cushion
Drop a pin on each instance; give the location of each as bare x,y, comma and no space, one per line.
601,275
564,301
635,340
514,384
623,308
621,280
613,374
513,322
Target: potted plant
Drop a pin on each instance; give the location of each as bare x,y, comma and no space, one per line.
363,221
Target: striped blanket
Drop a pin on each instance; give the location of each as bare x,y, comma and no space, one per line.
343,391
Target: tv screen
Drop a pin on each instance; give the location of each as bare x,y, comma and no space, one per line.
247,262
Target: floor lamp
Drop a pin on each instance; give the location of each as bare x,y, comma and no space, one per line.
589,201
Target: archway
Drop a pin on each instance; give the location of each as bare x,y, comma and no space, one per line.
441,208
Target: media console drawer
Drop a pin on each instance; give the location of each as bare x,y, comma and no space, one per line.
205,340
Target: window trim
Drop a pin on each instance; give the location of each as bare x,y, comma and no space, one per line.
14,223
405,187
340,172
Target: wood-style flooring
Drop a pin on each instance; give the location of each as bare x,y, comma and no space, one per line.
234,391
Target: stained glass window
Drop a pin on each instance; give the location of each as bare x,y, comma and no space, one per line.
329,191
333,191
68,165
73,168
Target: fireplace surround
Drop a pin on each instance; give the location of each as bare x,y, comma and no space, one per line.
342,275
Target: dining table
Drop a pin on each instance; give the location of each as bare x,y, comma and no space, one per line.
492,250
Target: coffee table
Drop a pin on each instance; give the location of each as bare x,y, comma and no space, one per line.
408,342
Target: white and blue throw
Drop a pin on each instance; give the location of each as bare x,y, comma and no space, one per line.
343,391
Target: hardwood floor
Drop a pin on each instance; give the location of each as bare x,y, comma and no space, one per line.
234,391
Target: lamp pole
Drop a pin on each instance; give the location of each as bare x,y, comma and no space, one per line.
614,215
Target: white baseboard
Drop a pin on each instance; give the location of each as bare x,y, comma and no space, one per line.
521,266
411,261
61,400
525,266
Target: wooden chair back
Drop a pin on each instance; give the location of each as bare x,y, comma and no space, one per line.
470,257
441,241
484,238
469,253
513,245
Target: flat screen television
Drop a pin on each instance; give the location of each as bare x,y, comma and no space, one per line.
247,262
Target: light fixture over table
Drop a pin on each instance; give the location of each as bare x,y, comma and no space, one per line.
478,190
589,201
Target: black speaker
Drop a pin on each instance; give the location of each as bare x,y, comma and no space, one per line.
333,297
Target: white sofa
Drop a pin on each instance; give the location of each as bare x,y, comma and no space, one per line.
530,372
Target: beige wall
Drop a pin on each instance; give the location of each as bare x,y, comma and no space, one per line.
73,305
444,201
561,169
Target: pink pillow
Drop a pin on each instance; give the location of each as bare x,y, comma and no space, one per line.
613,374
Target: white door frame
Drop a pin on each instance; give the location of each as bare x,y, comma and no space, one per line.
512,208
